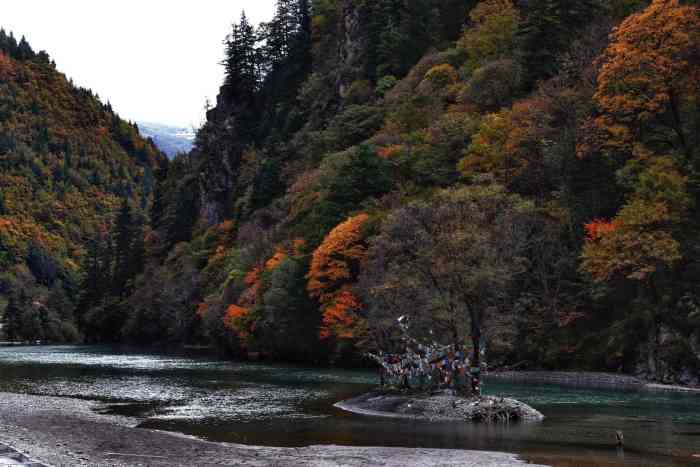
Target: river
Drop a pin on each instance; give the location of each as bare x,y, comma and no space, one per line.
281,405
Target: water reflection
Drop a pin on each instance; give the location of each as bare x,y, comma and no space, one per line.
292,406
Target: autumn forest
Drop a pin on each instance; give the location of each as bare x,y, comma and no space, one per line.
518,177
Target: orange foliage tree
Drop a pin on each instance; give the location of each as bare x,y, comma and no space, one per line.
648,86
237,320
339,318
334,267
649,80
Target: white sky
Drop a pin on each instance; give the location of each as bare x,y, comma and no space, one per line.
154,60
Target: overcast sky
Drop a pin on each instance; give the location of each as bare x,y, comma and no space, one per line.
154,60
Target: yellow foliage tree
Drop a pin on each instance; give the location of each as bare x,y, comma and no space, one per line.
633,246
492,34
648,88
509,143
441,75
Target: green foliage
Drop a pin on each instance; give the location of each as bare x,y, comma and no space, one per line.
345,180
18,50
290,325
385,84
623,8
493,86
353,125
360,92
399,33
547,28
491,35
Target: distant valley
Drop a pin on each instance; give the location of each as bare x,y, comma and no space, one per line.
169,139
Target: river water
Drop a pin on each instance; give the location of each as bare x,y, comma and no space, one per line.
279,405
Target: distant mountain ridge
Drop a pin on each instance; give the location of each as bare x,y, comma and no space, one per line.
171,140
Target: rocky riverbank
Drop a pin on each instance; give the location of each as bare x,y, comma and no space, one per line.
585,379
68,432
442,406
12,457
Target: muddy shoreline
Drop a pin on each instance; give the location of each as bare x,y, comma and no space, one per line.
68,432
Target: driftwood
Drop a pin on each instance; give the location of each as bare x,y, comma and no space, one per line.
620,438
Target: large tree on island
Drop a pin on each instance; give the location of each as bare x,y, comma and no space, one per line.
443,264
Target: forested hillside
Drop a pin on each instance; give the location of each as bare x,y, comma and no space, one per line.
517,177
67,164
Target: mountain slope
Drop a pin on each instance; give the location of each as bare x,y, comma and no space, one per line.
516,180
305,221
67,162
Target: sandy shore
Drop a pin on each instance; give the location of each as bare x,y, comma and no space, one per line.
67,432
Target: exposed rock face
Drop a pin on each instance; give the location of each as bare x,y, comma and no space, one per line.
231,125
583,379
353,45
220,154
216,182
586,379
442,406
660,357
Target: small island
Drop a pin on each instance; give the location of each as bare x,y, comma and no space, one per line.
441,406
436,383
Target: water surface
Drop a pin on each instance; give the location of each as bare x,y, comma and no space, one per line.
282,405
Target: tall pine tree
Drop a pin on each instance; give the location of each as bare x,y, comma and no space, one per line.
242,78
548,28
123,240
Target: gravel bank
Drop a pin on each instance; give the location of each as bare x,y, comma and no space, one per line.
67,432
11,457
583,379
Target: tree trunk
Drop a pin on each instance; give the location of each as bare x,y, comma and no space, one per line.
475,370
654,329
456,349
653,340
